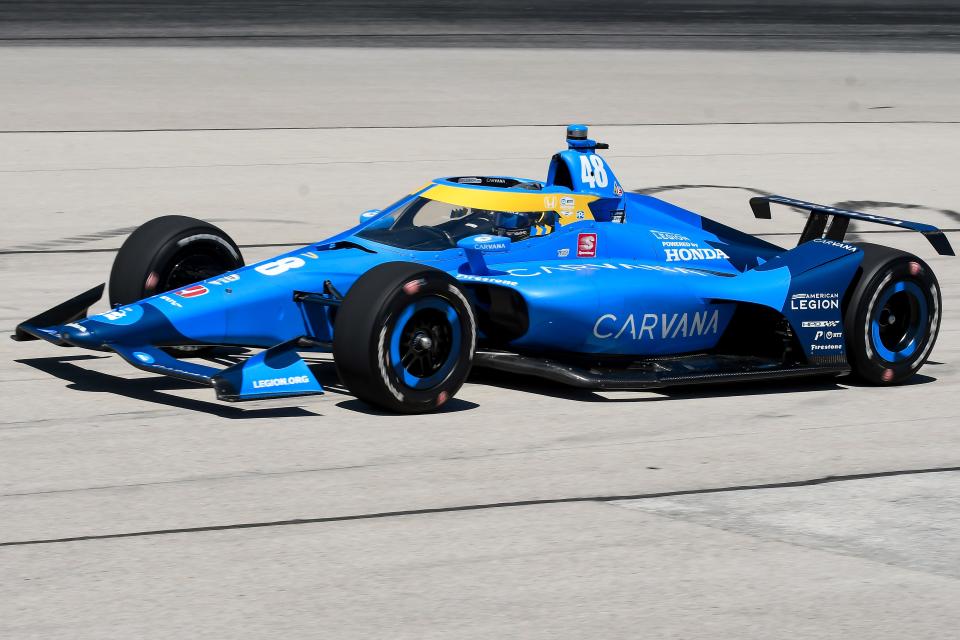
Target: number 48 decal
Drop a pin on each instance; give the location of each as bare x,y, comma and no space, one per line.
592,171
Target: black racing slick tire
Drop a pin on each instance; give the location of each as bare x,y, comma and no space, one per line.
404,337
892,316
169,253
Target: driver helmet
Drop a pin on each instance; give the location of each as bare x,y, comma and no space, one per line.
517,226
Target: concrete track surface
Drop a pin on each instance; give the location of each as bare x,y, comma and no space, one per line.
133,506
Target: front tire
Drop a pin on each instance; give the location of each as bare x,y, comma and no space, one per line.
169,253
404,337
892,317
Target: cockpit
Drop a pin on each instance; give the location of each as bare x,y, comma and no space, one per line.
445,214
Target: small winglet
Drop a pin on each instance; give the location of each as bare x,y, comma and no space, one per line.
276,372
761,207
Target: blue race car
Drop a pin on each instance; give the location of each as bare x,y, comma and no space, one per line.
570,279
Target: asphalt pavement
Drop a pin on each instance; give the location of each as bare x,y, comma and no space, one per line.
816,25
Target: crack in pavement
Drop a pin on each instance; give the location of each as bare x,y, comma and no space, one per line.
483,126
480,507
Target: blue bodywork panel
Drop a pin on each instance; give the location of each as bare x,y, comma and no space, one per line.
596,271
274,372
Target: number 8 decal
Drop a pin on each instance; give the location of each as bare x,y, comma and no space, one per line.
592,171
280,266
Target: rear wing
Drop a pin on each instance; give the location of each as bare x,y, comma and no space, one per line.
831,223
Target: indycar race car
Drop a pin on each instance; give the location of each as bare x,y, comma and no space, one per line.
570,279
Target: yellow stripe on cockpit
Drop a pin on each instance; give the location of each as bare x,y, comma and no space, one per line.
519,202
421,188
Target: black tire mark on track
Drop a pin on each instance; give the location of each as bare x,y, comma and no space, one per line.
54,246
483,507
845,204
874,204
13,252
679,187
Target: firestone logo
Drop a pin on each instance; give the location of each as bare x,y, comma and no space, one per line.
826,347
472,278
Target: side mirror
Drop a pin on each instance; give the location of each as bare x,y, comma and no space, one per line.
367,215
476,246
485,244
382,223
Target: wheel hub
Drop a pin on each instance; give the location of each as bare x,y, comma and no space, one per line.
425,343
421,341
899,322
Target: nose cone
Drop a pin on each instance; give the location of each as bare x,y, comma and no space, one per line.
111,326
136,324
81,334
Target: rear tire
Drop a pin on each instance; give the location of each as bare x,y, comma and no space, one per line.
404,337
170,253
892,316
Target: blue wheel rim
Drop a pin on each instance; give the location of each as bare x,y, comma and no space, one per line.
442,327
897,339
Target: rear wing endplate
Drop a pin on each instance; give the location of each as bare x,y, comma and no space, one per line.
831,223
